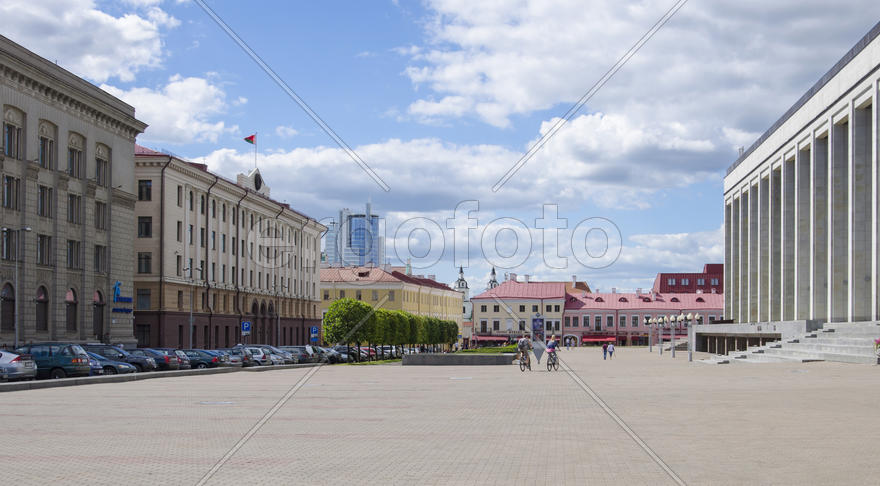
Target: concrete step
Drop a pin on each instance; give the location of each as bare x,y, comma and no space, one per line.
826,356
852,341
763,358
715,360
853,325
833,348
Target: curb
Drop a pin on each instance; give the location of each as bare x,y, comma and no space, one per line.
94,380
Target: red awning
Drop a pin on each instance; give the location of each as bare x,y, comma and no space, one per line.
490,338
598,339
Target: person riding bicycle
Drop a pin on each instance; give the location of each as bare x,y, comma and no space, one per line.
551,345
524,345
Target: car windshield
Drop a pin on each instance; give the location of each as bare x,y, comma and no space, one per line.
77,349
97,356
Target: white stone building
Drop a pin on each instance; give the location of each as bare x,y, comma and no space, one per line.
67,173
801,205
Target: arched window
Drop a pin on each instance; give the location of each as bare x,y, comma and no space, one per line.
255,308
13,123
7,308
71,304
622,299
102,165
600,299
700,299
674,299
42,303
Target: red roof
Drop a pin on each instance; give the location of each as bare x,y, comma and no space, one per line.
420,280
356,274
525,290
141,150
649,301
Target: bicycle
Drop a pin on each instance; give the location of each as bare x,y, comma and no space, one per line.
525,361
552,361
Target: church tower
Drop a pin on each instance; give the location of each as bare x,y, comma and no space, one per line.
493,282
461,285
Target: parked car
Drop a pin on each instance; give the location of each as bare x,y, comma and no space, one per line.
95,368
288,357
111,367
182,358
329,355
299,355
260,355
164,361
226,359
14,366
277,359
57,360
242,354
115,353
199,358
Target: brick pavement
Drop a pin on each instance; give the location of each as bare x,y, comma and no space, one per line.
736,424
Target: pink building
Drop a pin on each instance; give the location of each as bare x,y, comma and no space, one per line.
620,317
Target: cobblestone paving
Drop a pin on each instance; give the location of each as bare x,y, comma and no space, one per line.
814,423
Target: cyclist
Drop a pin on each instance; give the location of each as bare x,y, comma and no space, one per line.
524,345
551,345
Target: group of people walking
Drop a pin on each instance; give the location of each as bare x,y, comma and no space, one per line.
524,344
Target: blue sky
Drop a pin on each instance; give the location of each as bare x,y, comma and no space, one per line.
441,97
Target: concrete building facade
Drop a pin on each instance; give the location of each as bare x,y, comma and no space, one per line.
801,205
68,196
223,250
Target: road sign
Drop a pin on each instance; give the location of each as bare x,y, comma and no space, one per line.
314,330
314,338
246,328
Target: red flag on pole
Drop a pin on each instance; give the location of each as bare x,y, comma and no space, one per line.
251,139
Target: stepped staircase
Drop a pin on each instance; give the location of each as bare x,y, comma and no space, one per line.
846,342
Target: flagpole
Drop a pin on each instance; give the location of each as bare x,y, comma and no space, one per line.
255,150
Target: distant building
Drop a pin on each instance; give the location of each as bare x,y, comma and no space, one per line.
710,280
354,240
68,199
505,310
393,289
223,250
467,307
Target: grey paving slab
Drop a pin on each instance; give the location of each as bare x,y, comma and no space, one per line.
813,423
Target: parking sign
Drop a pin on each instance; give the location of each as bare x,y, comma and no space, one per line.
246,328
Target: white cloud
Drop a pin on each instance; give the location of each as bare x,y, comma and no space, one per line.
285,131
182,111
85,40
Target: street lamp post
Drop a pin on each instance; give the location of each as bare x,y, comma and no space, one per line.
689,323
660,321
648,321
191,297
17,295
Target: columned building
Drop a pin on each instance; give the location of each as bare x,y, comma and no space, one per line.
68,195
224,252
801,205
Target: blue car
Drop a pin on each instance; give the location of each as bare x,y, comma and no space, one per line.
111,367
95,367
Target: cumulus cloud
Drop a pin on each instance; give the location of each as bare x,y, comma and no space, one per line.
182,111
284,131
87,41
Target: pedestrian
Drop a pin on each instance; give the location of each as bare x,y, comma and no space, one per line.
611,351
568,343
605,351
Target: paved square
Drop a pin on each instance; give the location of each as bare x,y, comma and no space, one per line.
814,423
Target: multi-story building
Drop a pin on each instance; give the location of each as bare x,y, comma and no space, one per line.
504,311
709,281
67,171
620,317
223,251
391,288
801,211
354,240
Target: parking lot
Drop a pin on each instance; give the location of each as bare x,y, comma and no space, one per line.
735,424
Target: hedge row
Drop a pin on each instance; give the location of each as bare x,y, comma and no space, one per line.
351,321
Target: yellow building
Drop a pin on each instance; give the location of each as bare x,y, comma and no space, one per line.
387,288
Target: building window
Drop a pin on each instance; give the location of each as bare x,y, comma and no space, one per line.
9,244
180,231
522,308
145,260
549,308
74,208
179,300
11,192
190,234
483,325
100,259
574,321
47,153
213,240
73,254
375,295
44,201
535,309
223,243
102,172
223,213
495,308
567,321
555,308
610,322
635,321
522,325
12,138
213,209
100,215
622,321
179,196
190,200
143,299
145,190
71,303
391,296
685,281
202,204
75,163
496,325
326,295
145,227
713,281
202,239
179,265
701,281
44,250
358,294
670,281
341,294
598,324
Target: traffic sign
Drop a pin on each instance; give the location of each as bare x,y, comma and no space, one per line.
314,330
314,338
246,328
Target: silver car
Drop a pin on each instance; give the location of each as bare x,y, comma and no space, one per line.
15,366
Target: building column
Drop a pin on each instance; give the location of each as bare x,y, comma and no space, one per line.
734,260
753,252
744,256
775,278
803,230
764,249
728,259
860,187
875,195
839,215
788,238
819,239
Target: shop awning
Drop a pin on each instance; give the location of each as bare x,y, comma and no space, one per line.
490,338
587,339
